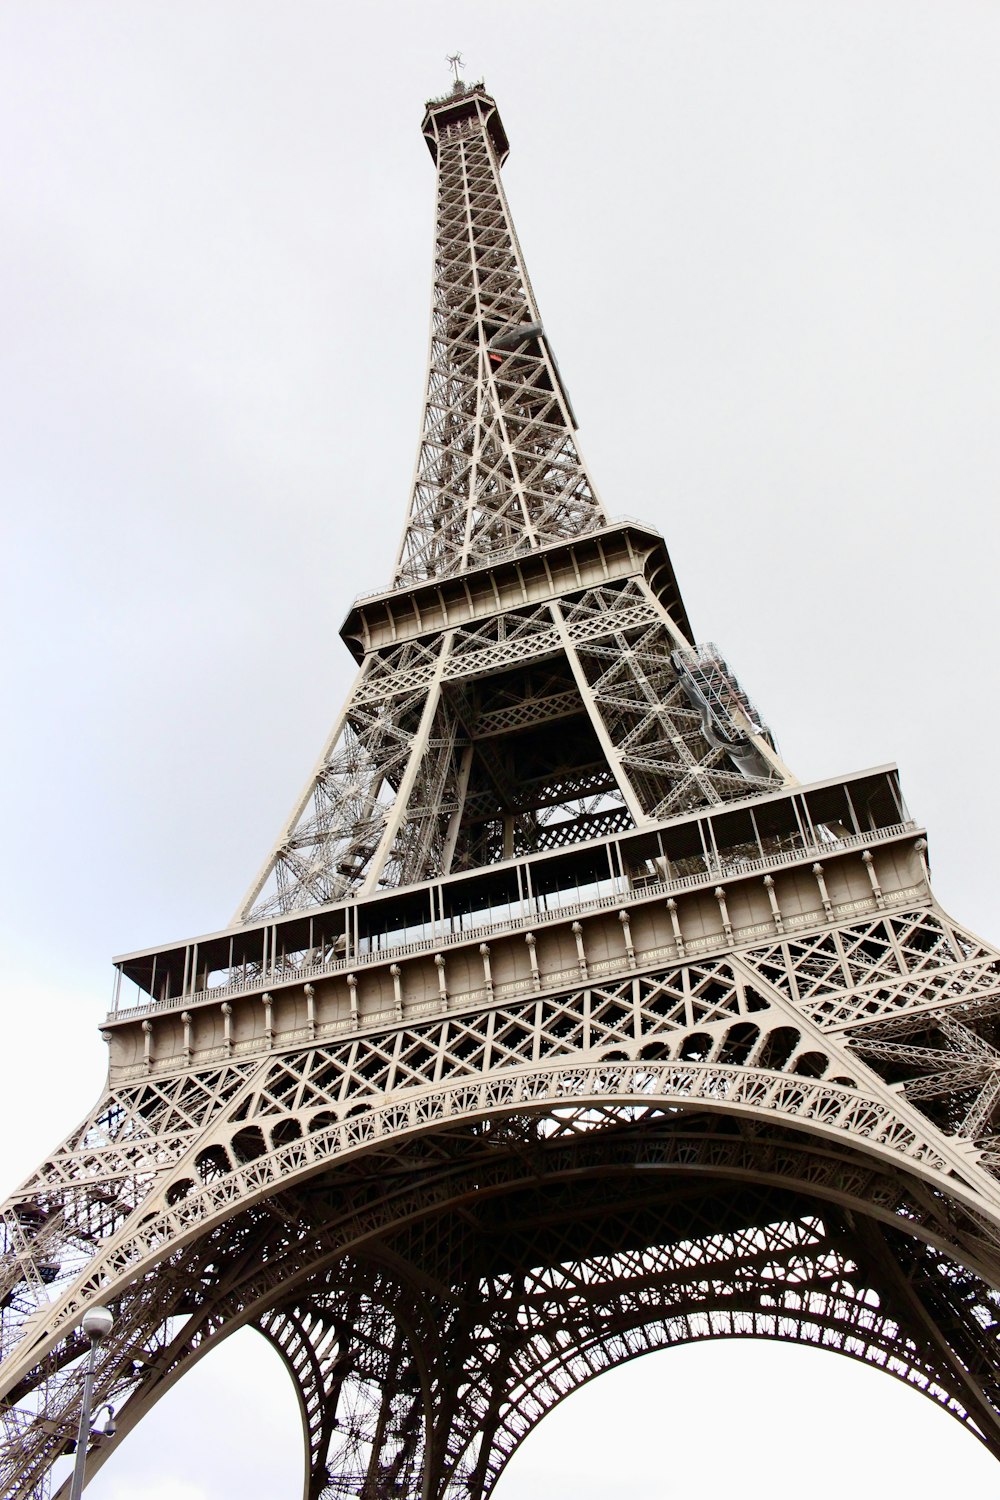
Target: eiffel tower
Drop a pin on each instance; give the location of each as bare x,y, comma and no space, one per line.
562,1023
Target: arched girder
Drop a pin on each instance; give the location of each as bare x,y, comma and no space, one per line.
874,1122
205,1142
434,1212
620,1349
799,1282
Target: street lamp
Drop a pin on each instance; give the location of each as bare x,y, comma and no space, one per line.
97,1323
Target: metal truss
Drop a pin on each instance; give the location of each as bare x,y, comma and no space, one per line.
166,1171
361,1378
498,469
752,1091
413,779
535,728
436,1298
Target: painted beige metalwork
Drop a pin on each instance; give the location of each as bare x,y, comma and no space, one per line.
562,1023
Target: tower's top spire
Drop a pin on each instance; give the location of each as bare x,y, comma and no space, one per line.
455,61
498,470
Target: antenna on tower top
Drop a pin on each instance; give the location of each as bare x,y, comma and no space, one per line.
455,62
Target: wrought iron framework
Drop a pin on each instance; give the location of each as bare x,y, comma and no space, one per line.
562,1024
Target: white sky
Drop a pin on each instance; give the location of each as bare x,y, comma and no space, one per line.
764,237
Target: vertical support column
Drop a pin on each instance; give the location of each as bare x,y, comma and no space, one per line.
267,1003
484,954
727,926
455,821
415,759
824,894
442,980
536,978
868,859
581,952
614,760
676,926
623,918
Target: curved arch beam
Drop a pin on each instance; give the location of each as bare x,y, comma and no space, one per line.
798,1282
869,1124
294,1236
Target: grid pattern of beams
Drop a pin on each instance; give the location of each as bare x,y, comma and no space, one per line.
446,1221
498,469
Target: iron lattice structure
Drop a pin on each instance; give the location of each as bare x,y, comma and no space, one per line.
562,1023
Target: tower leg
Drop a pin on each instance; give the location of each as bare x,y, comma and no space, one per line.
358,1372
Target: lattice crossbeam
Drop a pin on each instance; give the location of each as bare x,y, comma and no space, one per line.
774,1118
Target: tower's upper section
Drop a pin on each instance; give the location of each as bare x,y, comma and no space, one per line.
498,470
465,104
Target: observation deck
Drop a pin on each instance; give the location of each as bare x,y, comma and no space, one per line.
705,883
463,106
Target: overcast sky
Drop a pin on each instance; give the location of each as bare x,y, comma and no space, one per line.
764,237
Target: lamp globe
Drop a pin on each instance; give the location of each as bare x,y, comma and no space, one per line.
97,1322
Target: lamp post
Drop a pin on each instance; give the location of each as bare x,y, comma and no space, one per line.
97,1323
